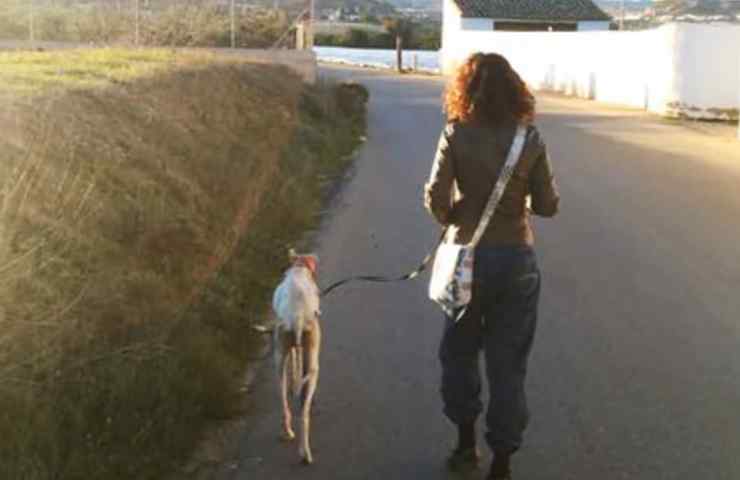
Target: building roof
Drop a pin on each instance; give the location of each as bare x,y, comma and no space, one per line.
545,10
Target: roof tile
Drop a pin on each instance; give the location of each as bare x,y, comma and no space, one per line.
554,10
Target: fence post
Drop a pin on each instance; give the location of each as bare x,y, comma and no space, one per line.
312,25
233,24
300,36
137,14
31,26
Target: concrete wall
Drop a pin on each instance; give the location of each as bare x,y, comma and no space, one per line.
451,24
676,70
707,71
481,24
301,61
591,26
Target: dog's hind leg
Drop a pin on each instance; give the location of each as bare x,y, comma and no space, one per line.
297,371
312,344
282,355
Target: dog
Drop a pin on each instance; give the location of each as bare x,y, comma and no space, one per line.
297,335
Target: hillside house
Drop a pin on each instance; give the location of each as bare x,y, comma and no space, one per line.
523,15
469,26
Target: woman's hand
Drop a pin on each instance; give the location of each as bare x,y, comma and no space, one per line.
458,206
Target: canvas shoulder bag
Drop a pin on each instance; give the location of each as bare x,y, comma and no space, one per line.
451,285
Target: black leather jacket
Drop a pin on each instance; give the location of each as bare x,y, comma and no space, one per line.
468,161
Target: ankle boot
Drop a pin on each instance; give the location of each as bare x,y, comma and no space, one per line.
465,456
500,467
465,436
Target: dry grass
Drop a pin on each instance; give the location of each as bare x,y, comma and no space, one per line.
142,223
178,23
38,72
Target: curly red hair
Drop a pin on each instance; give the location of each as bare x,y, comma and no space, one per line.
485,88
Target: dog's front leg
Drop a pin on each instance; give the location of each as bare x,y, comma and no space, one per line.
312,346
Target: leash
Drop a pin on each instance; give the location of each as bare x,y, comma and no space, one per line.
382,279
362,278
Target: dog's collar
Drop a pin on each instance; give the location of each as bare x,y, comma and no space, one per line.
306,262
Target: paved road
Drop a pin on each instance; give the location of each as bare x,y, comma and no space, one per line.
636,368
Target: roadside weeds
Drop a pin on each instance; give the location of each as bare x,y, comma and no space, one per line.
144,221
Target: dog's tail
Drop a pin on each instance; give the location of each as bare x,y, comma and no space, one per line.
298,325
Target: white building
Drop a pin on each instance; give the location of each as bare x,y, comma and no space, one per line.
677,70
463,16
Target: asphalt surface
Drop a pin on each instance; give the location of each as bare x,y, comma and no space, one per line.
635,372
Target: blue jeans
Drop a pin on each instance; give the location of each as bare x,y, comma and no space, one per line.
501,320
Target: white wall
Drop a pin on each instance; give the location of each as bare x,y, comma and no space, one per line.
707,70
590,26
451,24
678,69
477,24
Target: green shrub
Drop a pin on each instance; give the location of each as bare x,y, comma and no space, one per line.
422,37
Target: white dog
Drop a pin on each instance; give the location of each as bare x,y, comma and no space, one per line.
296,304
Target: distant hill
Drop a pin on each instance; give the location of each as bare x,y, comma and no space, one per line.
698,9
378,8
431,5
436,5
643,14
665,10
359,5
628,4
632,8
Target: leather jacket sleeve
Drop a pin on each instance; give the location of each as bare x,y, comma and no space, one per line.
542,185
438,190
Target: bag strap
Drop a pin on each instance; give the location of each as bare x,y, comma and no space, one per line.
507,171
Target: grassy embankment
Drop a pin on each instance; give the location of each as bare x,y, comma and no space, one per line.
147,200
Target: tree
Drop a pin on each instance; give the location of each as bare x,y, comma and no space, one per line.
401,29
357,38
671,7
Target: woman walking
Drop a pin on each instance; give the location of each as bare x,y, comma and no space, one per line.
485,103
